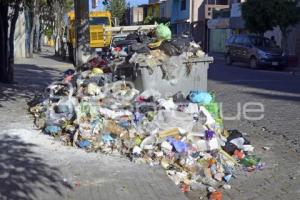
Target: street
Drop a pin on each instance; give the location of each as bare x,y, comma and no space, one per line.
44,169
133,100
279,92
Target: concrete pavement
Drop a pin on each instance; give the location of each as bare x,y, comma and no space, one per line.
35,166
279,93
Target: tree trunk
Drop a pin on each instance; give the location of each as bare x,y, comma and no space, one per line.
37,34
40,36
31,38
28,25
12,32
4,48
33,26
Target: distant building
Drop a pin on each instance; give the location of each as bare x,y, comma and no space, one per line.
136,15
219,30
153,9
237,24
192,16
166,9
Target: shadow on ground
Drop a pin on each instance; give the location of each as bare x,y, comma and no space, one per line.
29,79
23,173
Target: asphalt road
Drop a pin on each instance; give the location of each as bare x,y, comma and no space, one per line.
35,166
278,92
279,129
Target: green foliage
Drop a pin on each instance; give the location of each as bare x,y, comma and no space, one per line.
263,15
117,9
288,14
149,20
258,15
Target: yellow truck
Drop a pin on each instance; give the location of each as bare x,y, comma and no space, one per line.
100,39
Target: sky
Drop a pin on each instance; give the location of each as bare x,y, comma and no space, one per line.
137,2
132,3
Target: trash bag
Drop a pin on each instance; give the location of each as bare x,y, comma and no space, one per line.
169,49
200,97
163,32
139,48
125,42
182,44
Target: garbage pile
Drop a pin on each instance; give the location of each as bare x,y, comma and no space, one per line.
94,111
158,49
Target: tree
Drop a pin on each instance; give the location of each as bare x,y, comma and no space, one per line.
9,12
261,16
117,9
258,15
16,8
287,15
29,26
4,51
149,20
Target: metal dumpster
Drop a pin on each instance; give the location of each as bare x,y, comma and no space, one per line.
196,80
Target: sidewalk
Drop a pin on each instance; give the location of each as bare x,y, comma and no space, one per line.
35,166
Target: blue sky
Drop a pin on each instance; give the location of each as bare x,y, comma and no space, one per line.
137,2
132,3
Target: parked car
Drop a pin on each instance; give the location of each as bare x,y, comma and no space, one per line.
255,50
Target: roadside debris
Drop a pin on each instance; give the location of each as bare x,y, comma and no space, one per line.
96,111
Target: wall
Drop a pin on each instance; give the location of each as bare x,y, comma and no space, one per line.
218,39
19,40
166,9
153,10
276,33
294,40
177,13
197,8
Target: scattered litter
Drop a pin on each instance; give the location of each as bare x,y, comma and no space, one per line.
267,148
227,187
97,111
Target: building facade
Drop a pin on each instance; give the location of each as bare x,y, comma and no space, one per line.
153,9
166,9
192,16
136,15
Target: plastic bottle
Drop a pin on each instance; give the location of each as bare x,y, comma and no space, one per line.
250,160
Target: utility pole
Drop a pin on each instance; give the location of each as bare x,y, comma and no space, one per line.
82,33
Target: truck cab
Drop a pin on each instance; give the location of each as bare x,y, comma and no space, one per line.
99,38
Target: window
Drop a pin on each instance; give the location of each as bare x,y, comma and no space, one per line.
162,12
246,41
238,40
183,5
262,42
230,40
99,21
